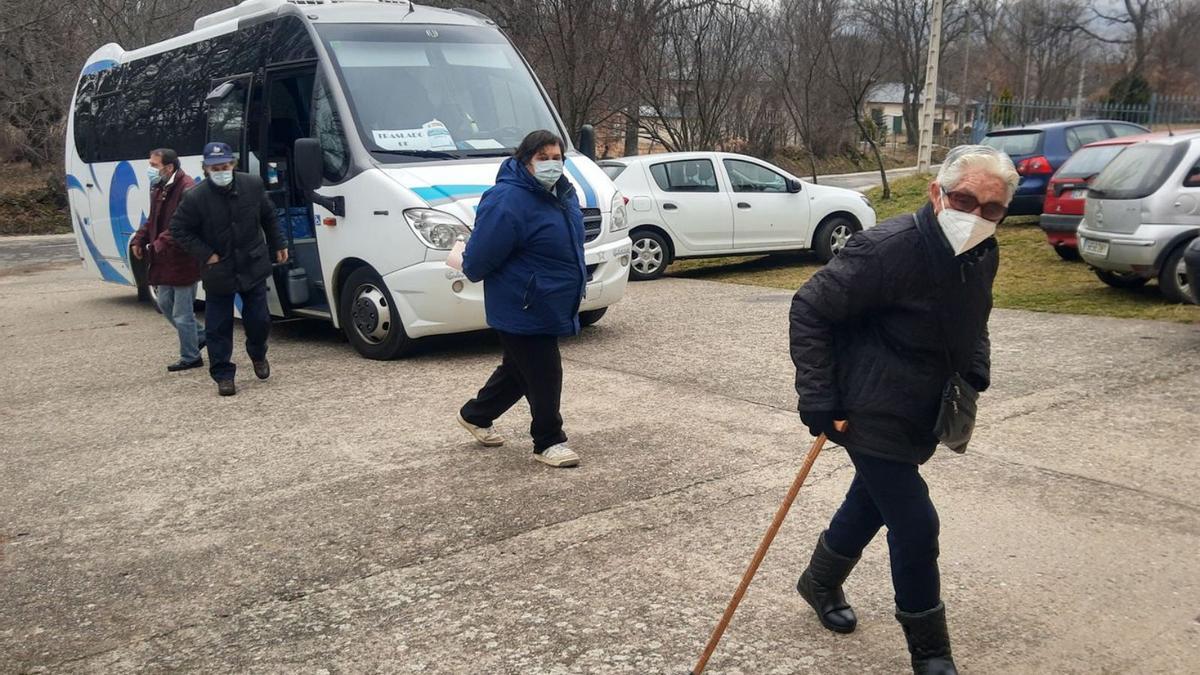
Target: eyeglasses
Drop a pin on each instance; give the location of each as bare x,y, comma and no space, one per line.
967,202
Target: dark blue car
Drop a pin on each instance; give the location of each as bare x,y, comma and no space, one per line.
1038,150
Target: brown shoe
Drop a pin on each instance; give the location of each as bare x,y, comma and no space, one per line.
226,388
262,369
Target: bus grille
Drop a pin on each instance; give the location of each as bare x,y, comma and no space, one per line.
592,221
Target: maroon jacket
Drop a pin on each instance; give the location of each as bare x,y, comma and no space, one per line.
167,263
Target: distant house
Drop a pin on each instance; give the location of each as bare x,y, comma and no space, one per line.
886,101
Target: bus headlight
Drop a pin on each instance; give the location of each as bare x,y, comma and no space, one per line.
620,219
437,229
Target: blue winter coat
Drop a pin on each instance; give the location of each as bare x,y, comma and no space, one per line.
527,248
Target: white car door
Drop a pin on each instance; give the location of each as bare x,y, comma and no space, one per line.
766,215
693,205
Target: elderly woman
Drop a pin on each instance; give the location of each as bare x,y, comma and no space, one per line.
875,337
527,248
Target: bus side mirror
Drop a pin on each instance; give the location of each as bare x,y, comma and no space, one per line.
587,141
308,163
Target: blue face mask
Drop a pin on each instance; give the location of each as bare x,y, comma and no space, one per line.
548,172
221,178
154,175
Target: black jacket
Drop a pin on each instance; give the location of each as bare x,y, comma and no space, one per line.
867,333
238,224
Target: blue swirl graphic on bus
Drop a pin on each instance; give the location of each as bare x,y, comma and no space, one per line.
107,271
124,178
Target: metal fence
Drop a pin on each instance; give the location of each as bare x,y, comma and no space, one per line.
1159,112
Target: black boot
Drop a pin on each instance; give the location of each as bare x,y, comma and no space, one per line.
928,641
821,586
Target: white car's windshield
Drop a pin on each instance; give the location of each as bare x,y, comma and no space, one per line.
421,92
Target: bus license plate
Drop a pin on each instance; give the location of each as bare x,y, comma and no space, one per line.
1094,247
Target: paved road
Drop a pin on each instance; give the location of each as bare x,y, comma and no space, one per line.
17,252
335,519
865,181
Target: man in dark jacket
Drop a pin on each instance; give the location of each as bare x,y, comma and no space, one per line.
875,336
229,223
527,248
169,268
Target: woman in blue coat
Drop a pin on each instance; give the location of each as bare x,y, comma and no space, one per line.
527,248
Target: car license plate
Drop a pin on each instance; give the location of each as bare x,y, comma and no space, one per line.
1079,194
1094,247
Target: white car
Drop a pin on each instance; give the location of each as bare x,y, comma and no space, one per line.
701,204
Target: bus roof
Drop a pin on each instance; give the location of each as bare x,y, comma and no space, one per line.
349,11
313,11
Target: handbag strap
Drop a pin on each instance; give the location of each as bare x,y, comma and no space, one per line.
938,311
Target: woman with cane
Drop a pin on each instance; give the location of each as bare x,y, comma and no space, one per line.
880,337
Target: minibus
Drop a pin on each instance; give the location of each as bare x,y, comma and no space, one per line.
376,125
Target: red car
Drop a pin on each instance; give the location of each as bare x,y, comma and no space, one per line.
1067,190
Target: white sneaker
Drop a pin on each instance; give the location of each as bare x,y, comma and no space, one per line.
486,436
558,456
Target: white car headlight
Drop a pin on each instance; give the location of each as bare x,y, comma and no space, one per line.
620,219
866,199
436,229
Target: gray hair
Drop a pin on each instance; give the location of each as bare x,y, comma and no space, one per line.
988,159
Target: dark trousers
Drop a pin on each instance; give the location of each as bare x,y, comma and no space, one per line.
532,367
218,331
891,493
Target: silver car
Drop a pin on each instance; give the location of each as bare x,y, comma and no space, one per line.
1142,211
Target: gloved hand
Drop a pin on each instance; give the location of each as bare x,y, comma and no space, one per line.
821,421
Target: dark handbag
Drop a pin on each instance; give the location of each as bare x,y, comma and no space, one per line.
956,414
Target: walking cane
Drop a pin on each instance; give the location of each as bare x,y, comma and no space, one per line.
761,553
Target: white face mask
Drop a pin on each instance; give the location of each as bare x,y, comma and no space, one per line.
548,172
964,230
221,178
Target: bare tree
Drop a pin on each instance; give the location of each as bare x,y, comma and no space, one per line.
799,31
1039,43
695,74
857,61
903,27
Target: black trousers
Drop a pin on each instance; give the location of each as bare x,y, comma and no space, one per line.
218,329
532,367
890,493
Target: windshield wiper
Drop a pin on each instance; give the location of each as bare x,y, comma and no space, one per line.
430,154
489,153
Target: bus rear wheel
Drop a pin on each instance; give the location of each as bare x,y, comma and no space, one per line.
369,317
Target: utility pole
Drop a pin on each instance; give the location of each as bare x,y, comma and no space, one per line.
1079,90
962,89
929,105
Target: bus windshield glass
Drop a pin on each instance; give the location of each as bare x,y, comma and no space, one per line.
436,92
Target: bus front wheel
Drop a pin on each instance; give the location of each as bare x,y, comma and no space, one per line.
369,317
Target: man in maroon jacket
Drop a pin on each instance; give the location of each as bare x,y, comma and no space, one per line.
171,271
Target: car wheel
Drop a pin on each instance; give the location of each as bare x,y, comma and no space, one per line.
1173,279
590,317
1122,279
369,317
1068,253
650,256
832,235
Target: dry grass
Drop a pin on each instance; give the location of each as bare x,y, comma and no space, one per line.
1031,275
32,201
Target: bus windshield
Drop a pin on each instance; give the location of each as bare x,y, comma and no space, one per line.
436,92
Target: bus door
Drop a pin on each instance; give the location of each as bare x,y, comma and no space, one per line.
287,104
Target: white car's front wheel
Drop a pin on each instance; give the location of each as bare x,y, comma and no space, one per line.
832,235
651,256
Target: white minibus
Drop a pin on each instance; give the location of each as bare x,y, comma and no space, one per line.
377,125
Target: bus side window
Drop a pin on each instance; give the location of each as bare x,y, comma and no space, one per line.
327,128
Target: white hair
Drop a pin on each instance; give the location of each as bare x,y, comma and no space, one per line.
982,157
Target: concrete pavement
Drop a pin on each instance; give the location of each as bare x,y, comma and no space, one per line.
335,519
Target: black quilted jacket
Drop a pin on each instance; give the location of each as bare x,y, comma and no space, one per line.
868,333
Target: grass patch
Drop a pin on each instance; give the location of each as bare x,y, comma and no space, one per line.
1031,276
